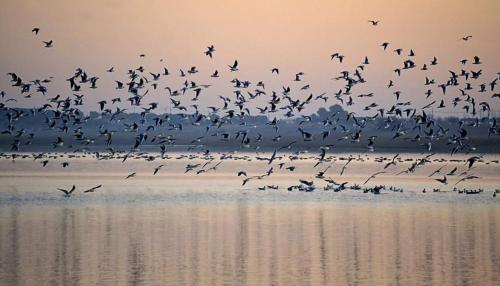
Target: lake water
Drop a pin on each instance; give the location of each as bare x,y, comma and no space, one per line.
208,229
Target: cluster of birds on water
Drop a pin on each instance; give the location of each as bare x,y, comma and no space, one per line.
63,115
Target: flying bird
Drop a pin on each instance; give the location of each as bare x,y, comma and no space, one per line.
93,189
130,175
68,193
210,51
157,169
48,44
443,181
234,67
373,176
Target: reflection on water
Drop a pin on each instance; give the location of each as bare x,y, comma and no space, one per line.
259,244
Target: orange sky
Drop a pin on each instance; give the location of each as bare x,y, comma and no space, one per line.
292,35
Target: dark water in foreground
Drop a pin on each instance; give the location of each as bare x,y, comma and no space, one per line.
258,244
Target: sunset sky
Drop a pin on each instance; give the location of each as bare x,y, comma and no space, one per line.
295,36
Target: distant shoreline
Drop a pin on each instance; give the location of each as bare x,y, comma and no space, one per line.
5,148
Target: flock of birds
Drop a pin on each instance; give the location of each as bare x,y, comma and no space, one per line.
63,115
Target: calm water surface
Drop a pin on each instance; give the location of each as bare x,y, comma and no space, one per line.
258,244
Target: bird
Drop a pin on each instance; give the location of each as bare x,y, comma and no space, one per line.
35,30
119,85
443,181
245,181
452,172
48,44
466,38
337,55
101,104
437,171
93,189
441,104
345,166
392,162
210,51
471,160
468,177
157,169
373,176
272,158
68,193
373,22
130,175
234,67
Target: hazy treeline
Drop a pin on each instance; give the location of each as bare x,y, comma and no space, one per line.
37,130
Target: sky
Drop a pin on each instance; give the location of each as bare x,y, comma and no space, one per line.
294,36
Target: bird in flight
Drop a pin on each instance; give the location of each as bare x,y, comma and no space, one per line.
157,169
210,51
443,181
337,55
374,22
67,193
373,176
470,161
131,175
48,44
234,67
345,166
91,190
35,30
392,162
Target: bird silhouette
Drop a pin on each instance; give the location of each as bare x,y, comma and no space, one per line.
68,193
93,189
210,51
48,44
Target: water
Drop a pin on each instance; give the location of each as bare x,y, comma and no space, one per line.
177,229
